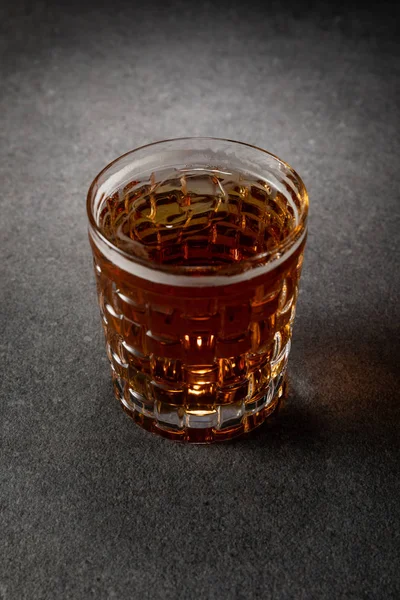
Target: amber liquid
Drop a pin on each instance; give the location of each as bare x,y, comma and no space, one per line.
198,362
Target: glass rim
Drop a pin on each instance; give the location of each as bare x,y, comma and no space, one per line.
294,238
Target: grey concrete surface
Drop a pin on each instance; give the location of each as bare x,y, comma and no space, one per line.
91,505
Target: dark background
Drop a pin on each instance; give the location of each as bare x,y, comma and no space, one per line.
94,507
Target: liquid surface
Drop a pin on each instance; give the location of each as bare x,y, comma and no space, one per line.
197,218
206,363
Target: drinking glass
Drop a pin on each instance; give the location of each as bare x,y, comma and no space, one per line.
198,248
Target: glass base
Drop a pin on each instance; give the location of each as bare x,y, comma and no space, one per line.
223,423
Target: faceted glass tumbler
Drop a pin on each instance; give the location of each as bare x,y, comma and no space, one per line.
198,248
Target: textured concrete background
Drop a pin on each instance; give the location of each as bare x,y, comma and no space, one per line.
94,507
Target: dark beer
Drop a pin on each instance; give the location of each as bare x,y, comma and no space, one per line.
197,273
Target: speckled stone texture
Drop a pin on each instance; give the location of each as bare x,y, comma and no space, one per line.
93,506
